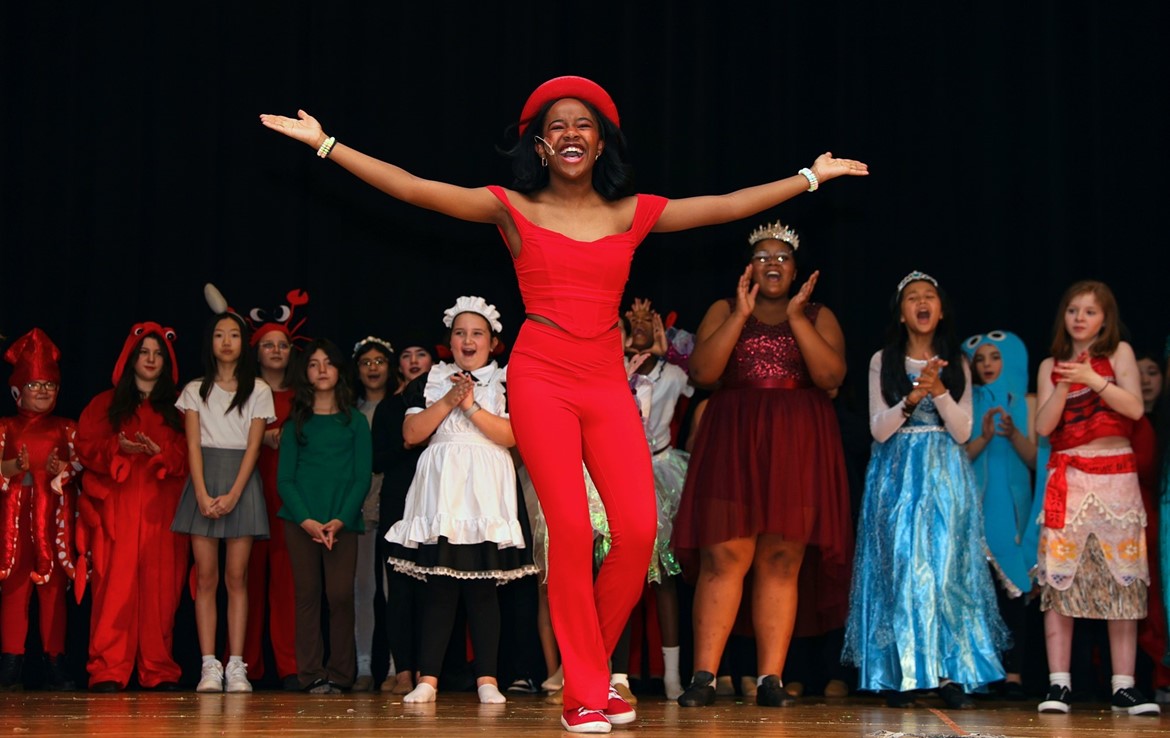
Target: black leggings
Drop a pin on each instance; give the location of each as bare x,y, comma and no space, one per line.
440,600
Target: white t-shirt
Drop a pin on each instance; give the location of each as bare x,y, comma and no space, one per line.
219,428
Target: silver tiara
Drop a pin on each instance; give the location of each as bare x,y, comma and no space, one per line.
916,276
777,231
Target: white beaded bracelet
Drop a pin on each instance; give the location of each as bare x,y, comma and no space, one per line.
813,183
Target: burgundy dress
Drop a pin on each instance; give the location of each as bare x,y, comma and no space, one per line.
768,459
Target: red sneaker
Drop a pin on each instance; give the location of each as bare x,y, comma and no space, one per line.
618,711
582,720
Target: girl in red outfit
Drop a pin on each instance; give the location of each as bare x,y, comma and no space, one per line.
1092,557
37,500
130,440
270,579
572,224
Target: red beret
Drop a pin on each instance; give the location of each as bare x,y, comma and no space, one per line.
558,88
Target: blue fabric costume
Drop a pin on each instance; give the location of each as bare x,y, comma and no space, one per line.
922,606
1002,478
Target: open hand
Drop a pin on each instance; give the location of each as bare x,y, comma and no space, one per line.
797,302
1079,371
130,447
826,167
745,294
303,128
150,446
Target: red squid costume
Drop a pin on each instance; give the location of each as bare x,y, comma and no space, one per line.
36,508
127,504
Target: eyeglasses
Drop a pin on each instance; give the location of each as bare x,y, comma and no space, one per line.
367,363
38,386
763,257
270,346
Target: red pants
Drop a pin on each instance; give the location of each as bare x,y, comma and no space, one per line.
569,400
15,594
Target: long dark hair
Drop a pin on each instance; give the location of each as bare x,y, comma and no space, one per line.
245,367
162,397
895,383
613,177
303,393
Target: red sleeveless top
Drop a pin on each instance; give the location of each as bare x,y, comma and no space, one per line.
1086,416
578,284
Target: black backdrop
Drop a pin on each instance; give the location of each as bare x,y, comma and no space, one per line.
1013,147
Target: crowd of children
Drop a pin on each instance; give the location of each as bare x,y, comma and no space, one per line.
982,501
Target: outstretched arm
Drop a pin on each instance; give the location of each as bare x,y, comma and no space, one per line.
693,212
466,203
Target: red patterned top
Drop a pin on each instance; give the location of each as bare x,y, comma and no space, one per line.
1086,416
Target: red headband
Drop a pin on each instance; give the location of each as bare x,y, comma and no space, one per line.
558,88
136,333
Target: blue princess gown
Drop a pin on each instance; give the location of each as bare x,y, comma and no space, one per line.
922,606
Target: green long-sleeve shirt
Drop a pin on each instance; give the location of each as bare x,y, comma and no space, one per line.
329,476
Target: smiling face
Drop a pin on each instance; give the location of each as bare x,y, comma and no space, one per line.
274,350
38,395
149,361
373,370
641,330
413,362
471,341
1151,375
1083,319
321,372
773,267
574,135
987,363
921,307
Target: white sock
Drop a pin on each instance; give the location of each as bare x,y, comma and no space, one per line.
671,680
1119,681
617,678
207,658
489,694
760,679
390,670
235,659
1060,678
422,693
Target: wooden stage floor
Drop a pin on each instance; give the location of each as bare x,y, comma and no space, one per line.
292,715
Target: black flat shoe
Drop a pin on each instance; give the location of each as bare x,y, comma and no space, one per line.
899,700
770,693
700,692
166,687
955,698
107,687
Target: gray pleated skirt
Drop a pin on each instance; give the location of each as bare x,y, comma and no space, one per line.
248,518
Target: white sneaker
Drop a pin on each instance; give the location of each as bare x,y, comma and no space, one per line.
237,677
211,678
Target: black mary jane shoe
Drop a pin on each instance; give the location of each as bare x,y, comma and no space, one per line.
771,693
700,692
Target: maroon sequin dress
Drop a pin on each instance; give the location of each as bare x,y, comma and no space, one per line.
768,459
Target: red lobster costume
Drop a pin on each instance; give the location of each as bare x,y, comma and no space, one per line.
36,507
127,504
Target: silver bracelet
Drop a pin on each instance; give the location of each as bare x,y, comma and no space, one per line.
475,408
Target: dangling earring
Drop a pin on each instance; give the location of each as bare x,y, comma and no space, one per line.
543,162
597,156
